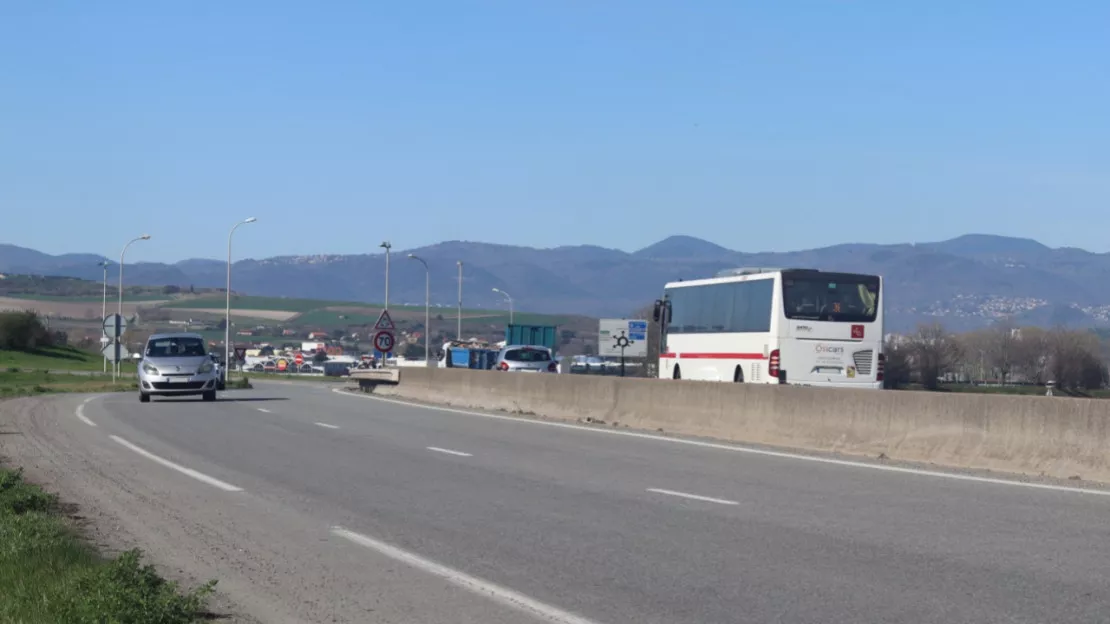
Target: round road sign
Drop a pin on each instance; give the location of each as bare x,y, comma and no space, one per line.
299,359
282,365
383,341
114,326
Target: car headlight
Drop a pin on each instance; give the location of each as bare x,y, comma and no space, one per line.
149,369
205,368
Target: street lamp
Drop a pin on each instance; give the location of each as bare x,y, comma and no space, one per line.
427,306
104,308
496,290
227,319
458,330
144,237
386,246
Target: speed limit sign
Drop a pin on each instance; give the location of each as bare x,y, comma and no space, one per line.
383,341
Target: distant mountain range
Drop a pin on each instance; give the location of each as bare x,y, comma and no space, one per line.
965,282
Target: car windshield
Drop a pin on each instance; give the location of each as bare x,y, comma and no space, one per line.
528,355
838,298
177,346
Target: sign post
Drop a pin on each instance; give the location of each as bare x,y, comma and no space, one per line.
114,327
622,338
384,340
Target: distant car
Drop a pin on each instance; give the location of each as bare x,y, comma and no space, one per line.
526,359
177,365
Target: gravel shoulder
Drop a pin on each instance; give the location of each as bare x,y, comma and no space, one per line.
111,516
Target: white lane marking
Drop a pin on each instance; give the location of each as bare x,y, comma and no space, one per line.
719,501
326,426
735,448
81,412
449,451
502,595
263,410
203,478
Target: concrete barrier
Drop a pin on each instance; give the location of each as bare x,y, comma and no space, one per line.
1057,437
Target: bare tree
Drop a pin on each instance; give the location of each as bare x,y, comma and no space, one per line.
1032,355
1074,363
898,368
1002,350
934,351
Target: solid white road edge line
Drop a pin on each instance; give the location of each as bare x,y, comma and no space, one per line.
326,426
735,448
449,451
502,595
189,472
81,412
719,501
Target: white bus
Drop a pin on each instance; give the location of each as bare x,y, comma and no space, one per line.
774,326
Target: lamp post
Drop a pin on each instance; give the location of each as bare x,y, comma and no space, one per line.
427,306
386,246
116,370
458,329
507,296
227,318
104,308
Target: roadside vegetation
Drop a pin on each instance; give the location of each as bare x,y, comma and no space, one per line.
1002,359
15,383
49,575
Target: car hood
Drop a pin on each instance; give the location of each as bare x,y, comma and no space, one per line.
177,364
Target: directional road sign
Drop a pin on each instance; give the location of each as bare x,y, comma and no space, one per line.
114,326
115,352
383,341
613,334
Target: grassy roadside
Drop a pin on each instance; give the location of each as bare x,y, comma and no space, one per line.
48,575
14,383
57,358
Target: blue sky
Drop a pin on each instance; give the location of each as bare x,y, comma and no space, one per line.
757,125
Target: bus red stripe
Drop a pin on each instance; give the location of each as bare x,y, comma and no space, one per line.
713,356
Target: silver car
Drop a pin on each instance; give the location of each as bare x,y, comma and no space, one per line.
177,365
526,358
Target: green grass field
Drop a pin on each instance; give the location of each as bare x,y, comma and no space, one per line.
313,311
48,574
89,298
56,358
258,303
17,384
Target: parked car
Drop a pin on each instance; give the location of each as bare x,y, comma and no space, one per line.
177,365
527,359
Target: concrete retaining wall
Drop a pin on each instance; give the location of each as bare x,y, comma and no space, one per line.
1058,437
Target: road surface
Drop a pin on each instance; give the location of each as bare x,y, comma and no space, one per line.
315,506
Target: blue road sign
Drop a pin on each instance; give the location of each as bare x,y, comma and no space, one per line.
637,327
637,336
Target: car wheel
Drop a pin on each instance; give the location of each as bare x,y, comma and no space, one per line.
144,397
210,395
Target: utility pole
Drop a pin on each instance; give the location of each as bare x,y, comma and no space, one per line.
458,329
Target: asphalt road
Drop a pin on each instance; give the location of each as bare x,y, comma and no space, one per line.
313,506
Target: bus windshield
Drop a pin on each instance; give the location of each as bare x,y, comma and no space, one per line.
831,297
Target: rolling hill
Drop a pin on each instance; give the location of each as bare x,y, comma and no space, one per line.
965,282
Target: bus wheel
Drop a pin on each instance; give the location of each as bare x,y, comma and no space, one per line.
677,372
738,376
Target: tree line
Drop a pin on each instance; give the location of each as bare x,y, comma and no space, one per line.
1002,354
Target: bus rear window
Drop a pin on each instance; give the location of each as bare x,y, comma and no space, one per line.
837,298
